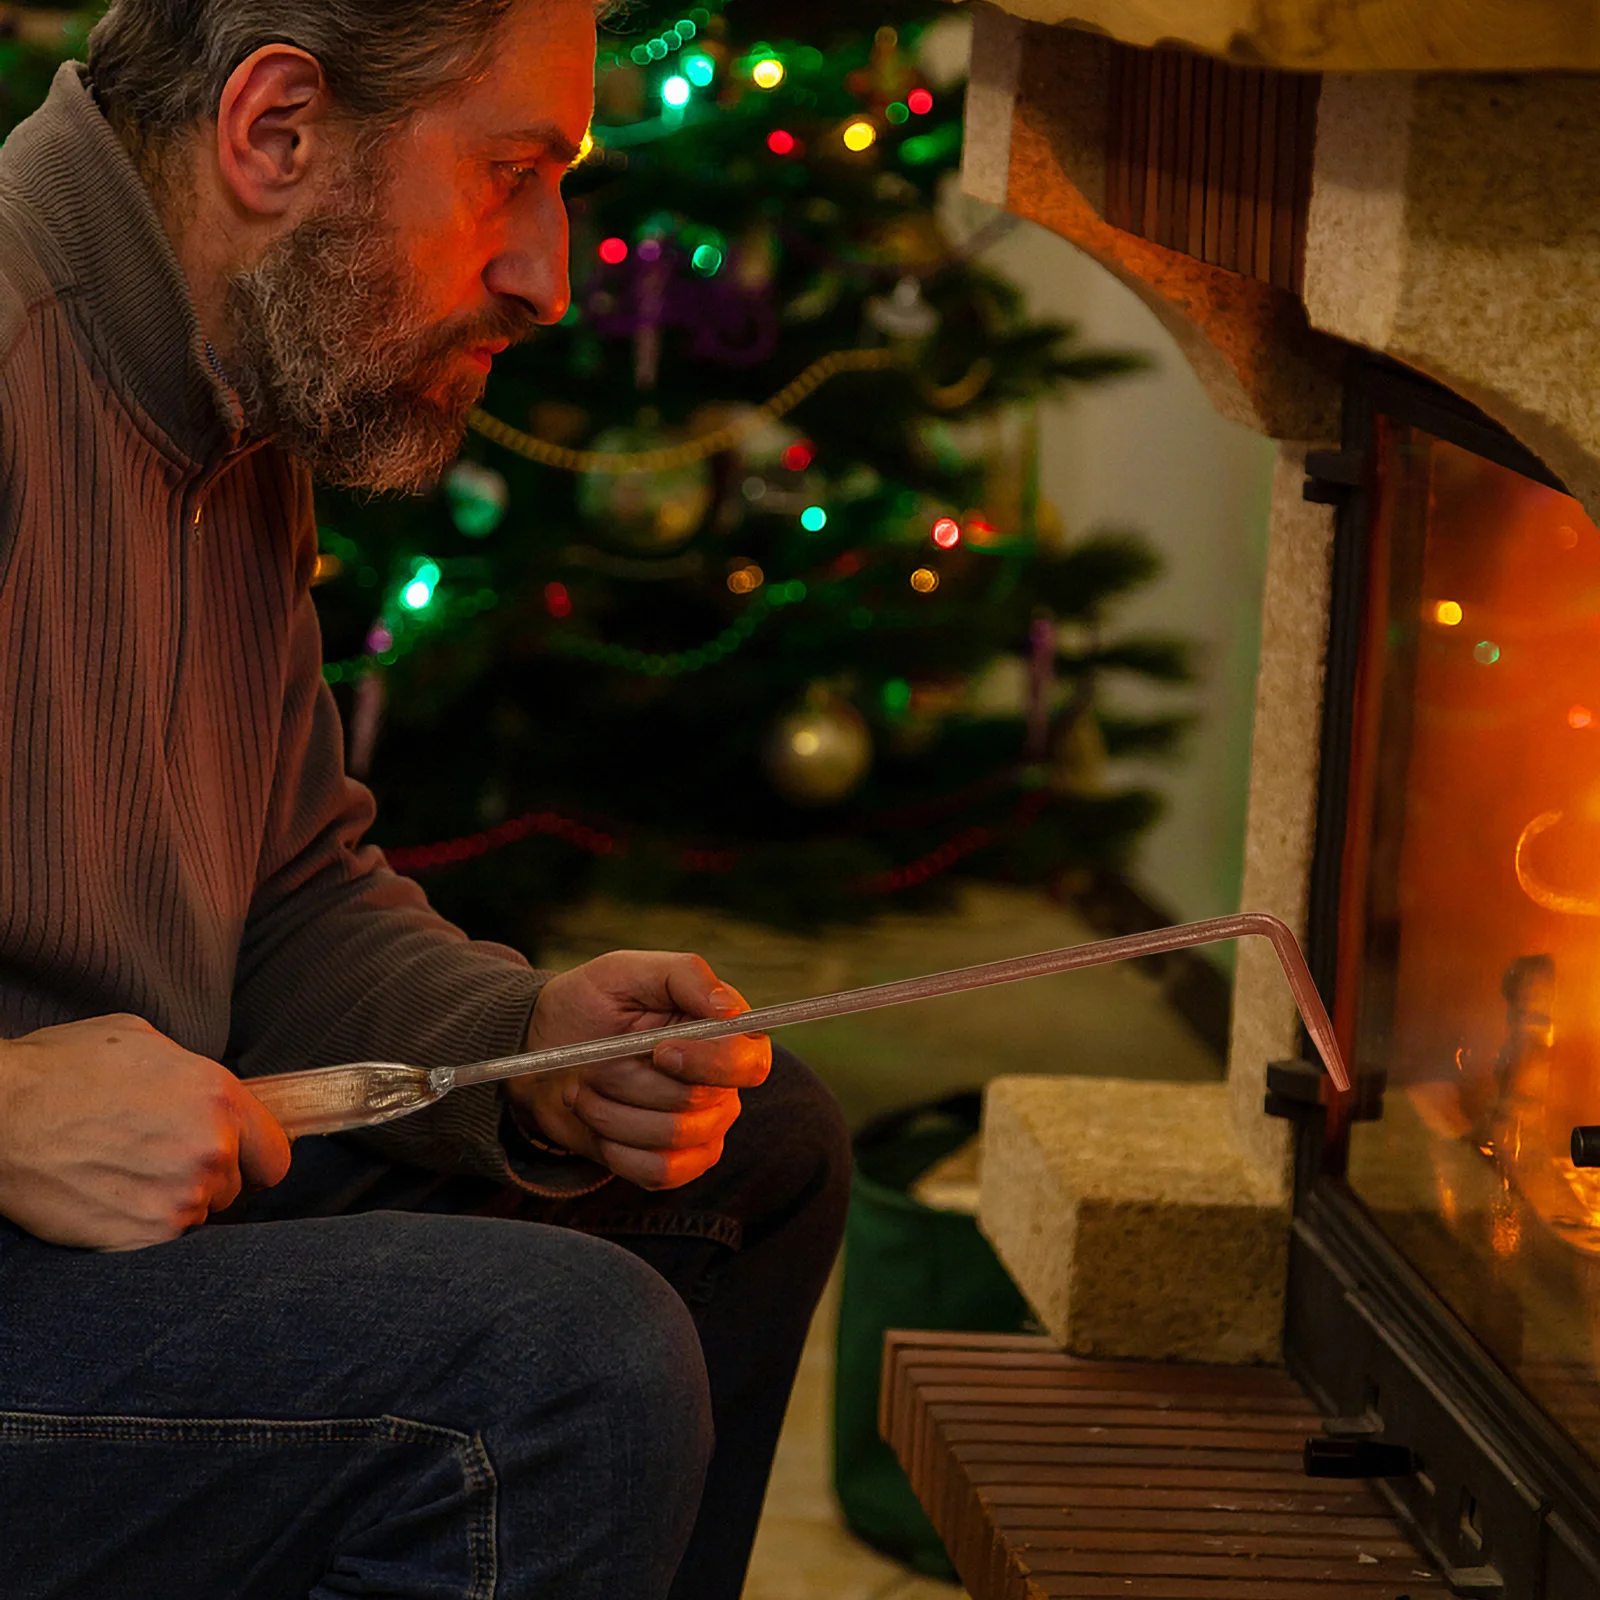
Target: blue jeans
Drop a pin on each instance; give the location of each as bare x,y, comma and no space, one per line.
369,1387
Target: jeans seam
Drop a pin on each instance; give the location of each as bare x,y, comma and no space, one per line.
713,1226
472,1455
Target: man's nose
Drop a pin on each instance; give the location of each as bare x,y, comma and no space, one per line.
532,267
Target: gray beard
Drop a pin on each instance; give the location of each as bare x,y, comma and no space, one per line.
331,357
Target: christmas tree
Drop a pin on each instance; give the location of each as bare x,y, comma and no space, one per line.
704,612
742,592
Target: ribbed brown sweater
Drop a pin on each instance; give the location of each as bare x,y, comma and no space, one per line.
178,838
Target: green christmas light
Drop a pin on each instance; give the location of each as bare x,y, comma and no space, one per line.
640,55
897,112
699,70
896,697
657,49
675,92
813,519
706,260
686,28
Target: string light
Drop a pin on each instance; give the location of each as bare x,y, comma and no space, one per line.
799,455
699,70
813,519
419,592
947,533
675,92
613,251
557,601
767,73
781,142
924,580
897,112
746,579
859,136
1486,652
919,101
706,260
1447,613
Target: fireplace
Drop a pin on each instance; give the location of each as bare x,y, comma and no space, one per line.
1444,1281
1392,270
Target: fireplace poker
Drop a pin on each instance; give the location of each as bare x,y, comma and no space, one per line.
362,1094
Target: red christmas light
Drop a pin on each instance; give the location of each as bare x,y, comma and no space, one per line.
947,533
613,251
781,142
920,101
556,600
799,455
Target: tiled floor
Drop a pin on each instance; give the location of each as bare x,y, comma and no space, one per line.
803,1551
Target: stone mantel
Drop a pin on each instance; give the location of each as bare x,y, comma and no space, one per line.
1348,35
1446,219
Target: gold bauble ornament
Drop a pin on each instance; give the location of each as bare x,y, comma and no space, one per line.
818,754
645,513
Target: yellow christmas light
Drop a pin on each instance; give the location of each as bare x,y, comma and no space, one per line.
1447,613
860,136
768,73
746,579
924,580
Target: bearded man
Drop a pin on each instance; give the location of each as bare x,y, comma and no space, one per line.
536,1340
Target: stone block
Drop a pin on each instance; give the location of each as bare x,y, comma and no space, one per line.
1131,1219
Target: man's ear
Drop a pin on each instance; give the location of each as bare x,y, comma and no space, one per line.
273,128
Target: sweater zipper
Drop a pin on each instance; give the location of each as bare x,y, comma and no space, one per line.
192,522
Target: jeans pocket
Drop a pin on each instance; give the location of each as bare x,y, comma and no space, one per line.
112,1507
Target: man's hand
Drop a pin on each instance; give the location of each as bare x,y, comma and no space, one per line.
113,1137
658,1122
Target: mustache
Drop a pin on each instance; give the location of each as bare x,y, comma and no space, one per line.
511,324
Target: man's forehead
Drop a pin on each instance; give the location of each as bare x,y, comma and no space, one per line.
539,85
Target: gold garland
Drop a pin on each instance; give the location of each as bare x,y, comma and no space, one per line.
682,455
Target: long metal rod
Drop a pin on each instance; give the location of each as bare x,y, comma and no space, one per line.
818,1008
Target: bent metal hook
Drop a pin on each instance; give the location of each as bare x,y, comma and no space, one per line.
364,1093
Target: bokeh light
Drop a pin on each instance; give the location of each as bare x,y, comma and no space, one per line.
1486,652
813,519
556,600
613,251
799,455
920,101
1447,613
780,142
860,136
676,91
947,533
699,70
1580,717
924,580
767,73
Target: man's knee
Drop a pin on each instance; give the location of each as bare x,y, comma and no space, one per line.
796,1134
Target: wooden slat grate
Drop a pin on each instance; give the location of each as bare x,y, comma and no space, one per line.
1051,1478
1212,159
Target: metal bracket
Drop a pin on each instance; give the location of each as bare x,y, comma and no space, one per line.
1302,1089
1331,475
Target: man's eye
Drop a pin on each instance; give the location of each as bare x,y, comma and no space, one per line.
516,173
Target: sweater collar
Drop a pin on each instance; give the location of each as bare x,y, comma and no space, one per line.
115,267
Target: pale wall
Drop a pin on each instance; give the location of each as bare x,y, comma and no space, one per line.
1151,453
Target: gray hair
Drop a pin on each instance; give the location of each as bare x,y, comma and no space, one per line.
159,66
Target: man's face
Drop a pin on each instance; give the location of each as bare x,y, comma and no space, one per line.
363,336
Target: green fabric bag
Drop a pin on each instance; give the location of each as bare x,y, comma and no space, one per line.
906,1265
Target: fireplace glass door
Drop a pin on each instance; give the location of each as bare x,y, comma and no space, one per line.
1469,921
